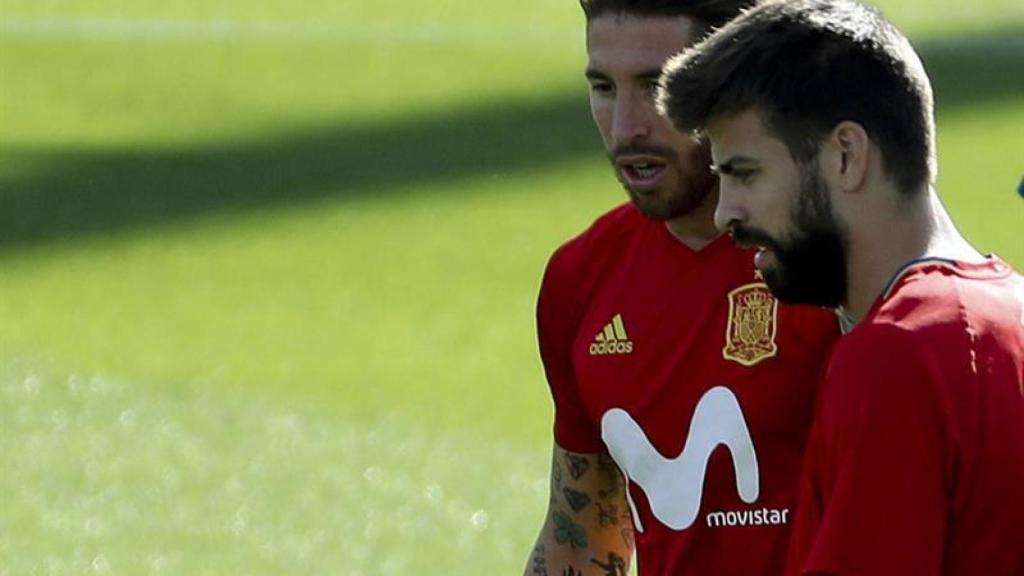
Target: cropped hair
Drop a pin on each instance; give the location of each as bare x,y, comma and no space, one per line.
707,14
805,66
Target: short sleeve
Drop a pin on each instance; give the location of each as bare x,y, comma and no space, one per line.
879,463
559,307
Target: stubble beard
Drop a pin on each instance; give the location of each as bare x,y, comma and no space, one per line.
693,185
811,264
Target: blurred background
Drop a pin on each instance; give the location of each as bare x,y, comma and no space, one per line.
268,269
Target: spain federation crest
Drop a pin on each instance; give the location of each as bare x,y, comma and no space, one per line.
753,320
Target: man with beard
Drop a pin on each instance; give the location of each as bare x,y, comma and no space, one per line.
682,389
820,117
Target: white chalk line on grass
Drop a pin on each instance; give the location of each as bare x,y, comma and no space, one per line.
439,33
160,29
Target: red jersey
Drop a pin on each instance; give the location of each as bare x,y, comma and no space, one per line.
915,464
696,380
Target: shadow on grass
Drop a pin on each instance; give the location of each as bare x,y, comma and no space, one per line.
86,193
89,193
975,71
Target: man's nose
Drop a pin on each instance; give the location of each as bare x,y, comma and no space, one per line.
728,212
634,115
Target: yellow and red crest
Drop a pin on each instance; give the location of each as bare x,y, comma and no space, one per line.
753,321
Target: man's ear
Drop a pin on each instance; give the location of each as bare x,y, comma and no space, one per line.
851,148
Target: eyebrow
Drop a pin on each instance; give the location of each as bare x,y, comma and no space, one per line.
731,165
650,74
595,74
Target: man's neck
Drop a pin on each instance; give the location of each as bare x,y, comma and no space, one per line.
880,247
696,229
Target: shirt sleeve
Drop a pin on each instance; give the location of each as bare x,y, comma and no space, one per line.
879,463
558,309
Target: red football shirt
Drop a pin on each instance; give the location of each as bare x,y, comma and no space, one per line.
915,464
699,383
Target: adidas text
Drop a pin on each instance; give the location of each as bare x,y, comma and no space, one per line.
608,348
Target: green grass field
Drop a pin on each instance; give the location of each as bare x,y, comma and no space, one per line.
267,270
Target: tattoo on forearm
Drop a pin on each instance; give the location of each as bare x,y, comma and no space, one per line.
578,465
607,514
628,537
611,475
539,561
615,566
571,571
556,481
569,532
577,500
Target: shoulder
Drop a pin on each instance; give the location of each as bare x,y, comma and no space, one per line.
922,299
881,381
921,318
596,245
864,350
576,266
608,229
918,320
904,355
945,296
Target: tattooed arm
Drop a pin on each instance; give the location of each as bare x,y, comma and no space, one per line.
588,529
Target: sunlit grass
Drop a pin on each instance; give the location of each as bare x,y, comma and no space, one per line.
107,477
341,383
981,164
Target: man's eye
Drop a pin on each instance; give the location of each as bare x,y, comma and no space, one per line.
743,175
601,87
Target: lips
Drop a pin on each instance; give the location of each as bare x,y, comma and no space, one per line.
641,172
748,238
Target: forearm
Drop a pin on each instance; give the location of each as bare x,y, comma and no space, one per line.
588,528
558,554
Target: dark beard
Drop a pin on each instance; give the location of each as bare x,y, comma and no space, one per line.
811,264
695,182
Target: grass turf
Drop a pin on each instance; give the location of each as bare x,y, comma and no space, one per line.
267,296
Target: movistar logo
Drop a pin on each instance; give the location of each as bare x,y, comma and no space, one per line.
675,486
612,340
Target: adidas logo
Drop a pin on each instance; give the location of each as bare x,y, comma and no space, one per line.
612,340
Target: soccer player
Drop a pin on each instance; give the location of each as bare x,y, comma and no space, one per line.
682,389
821,124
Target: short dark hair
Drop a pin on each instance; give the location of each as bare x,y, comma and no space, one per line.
708,14
806,66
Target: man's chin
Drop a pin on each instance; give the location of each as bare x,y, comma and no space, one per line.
776,282
661,205
809,291
650,204
654,212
